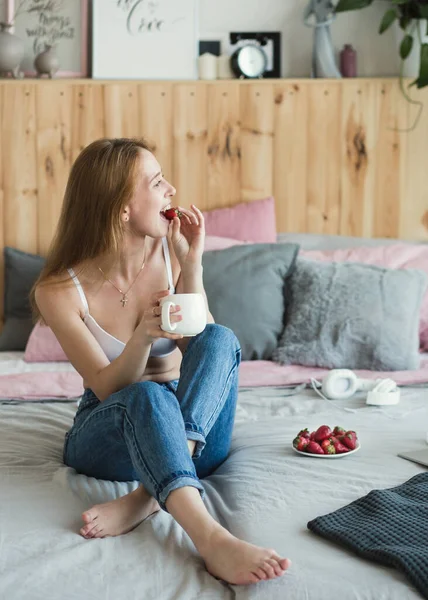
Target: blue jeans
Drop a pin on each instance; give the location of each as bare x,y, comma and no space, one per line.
141,432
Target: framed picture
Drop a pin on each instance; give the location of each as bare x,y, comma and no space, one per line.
59,23
144,39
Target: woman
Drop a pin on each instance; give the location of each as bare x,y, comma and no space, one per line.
157,407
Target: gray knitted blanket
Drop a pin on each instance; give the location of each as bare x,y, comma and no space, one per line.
388,526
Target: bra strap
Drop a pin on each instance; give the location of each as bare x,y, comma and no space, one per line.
80,290
168,265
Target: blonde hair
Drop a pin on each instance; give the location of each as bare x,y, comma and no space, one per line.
100,184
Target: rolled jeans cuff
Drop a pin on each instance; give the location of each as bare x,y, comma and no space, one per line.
179,481
195,434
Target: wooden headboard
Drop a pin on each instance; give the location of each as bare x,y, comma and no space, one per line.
330,151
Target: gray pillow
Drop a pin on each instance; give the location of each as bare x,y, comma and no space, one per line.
351,315
21,272
246,287
321,241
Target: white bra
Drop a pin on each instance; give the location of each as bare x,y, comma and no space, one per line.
112,346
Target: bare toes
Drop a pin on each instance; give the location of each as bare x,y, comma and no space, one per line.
275,566
284,563
260,574
87,529
89,515
268,570
100,533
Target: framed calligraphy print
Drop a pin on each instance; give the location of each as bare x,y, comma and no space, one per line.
62,24
144,39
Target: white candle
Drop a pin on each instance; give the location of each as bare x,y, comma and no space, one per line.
224,69
207,66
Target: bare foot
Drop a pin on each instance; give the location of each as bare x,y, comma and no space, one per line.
119,516
238,562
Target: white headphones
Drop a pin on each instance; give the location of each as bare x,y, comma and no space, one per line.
343,383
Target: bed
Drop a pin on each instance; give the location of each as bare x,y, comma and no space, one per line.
237,137
264,493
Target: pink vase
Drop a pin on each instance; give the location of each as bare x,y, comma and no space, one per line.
348,61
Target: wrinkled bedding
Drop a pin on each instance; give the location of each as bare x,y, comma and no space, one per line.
264,492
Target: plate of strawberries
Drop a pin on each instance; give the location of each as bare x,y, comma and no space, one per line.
325,442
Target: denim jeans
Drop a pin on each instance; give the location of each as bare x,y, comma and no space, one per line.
141,432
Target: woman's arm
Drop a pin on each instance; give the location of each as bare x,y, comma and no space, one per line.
187,241
191,282
83,351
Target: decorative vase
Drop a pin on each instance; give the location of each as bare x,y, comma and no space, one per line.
348,61
11,52
412,62
47,62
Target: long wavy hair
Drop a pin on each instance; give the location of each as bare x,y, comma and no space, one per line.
100,184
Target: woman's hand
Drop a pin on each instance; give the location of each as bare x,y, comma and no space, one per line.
151,320
188,236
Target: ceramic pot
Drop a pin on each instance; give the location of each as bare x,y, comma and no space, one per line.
412,62
47,62
11,52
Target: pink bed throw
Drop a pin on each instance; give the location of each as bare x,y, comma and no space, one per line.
48,385
41,385
266,373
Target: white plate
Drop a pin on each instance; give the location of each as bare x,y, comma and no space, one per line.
327,455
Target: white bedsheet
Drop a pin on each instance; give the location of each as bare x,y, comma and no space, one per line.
264,493
13,363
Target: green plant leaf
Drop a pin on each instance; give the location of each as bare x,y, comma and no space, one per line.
388,19
404,22
344,5
423,11
406,46
422,80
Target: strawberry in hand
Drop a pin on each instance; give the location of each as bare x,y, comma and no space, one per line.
187,231
171,213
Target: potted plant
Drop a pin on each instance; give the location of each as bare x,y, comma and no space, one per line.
412,17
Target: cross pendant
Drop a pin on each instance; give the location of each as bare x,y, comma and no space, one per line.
124,301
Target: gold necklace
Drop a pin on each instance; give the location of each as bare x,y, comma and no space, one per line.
124,298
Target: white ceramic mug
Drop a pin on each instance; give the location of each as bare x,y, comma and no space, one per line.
192,310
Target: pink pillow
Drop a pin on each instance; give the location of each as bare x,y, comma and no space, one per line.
395,256
42,346
249,221
214,242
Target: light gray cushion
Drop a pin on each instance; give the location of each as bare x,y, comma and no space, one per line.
318,241
246,287
350,315
21,272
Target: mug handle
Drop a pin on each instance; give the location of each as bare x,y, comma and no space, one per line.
166,321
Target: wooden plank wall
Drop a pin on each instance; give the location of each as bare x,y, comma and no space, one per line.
332,152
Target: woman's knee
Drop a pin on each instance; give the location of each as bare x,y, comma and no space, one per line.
223,336
141,393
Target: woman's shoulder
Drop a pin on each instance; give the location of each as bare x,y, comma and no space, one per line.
56,291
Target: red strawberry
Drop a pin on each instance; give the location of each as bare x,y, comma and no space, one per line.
338,446
322,433
304,433
349,439
300,443
339,430
314,448
312,436
170,213
328,447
